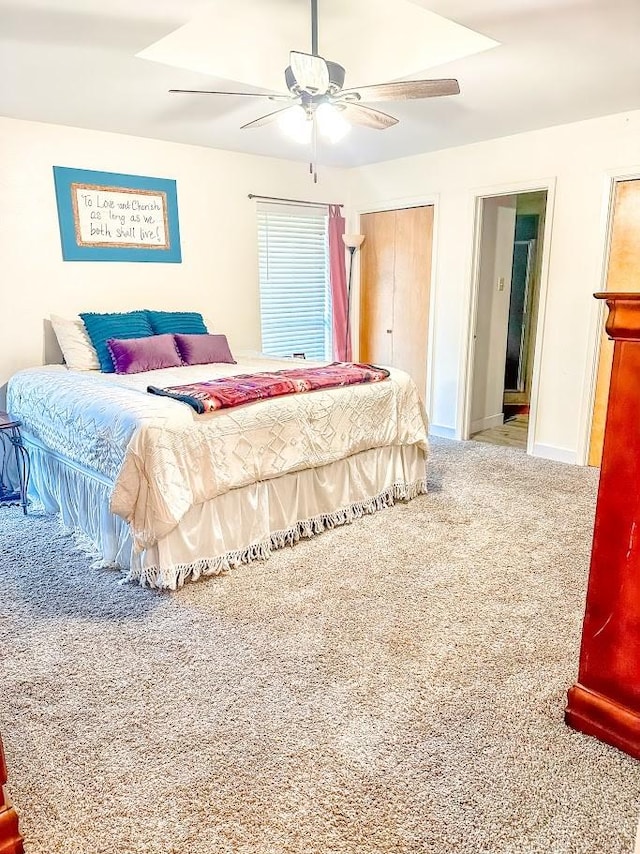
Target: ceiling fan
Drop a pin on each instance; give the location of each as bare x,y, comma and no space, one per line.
317,103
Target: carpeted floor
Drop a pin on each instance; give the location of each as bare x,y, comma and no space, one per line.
393,686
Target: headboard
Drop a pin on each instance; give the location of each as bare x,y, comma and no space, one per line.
51,352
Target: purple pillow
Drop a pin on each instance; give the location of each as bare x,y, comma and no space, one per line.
134,355
203,349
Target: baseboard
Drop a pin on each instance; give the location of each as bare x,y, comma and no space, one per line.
442,432
550,452
487,423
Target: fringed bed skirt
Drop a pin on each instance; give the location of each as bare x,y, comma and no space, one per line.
241,526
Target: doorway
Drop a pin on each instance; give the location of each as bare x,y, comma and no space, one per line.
508,291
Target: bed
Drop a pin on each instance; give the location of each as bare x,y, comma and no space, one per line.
168,495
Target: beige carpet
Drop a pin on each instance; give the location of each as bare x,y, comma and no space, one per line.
393,686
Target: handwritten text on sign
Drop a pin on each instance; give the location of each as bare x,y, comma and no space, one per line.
118,216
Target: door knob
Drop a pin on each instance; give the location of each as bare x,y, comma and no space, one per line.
389,331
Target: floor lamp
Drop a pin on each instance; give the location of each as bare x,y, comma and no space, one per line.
353,242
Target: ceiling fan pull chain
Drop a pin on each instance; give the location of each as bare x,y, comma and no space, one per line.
314,148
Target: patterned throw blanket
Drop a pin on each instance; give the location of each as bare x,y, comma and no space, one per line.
227,392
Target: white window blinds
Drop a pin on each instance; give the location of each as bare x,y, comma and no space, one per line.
295,297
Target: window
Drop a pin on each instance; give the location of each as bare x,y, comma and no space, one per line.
295,297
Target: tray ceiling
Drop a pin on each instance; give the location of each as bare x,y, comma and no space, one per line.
79,63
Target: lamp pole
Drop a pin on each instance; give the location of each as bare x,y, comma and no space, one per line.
352,243
347,335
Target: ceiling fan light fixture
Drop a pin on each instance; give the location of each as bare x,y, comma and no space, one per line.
332,125
296,124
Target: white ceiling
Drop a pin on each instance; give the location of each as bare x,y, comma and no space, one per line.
73,62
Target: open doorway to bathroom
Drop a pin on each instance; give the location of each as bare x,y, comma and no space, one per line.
508,290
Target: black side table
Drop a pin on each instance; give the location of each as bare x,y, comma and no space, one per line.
12,438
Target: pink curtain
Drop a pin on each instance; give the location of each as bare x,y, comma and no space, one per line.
339,296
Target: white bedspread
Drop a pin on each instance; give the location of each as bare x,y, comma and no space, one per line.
163,458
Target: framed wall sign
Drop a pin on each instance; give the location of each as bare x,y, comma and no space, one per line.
106,216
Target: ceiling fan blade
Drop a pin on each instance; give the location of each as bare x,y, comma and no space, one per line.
366,116
266,120
310,72
242,94
405,90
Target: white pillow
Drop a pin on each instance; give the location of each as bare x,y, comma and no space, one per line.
77,349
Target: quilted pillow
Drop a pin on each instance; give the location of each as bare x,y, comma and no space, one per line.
77,349
101,327
134,355
172,322
204,349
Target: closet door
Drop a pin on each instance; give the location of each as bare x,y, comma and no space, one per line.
395,278
377,261
412,283
622,275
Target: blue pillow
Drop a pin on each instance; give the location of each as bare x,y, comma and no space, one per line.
101,327
177,323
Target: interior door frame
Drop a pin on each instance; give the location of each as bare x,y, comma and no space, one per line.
598,312
478,195
398,204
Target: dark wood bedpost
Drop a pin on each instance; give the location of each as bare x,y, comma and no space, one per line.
605,701
10,839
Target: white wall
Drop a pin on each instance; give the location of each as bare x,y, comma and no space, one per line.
492,314
219,272
577,158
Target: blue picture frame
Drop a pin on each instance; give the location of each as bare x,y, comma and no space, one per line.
109,216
